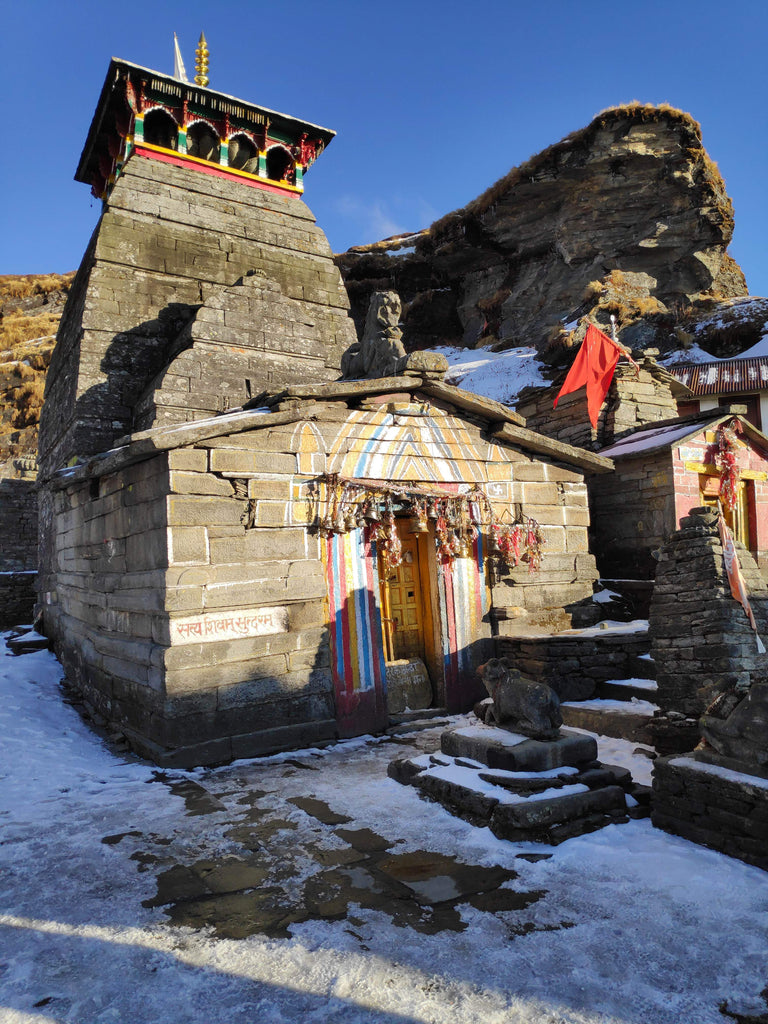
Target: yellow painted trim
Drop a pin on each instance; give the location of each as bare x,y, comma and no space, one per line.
707,469
223,167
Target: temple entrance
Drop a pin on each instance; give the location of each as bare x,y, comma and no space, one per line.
408,624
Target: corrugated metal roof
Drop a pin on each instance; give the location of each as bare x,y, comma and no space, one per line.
732,376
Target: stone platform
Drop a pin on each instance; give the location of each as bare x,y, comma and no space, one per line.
522,789
715,801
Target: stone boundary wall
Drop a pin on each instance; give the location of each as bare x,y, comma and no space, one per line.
18,525
714,804
17,598
574,665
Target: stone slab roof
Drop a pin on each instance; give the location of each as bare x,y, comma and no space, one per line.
300,403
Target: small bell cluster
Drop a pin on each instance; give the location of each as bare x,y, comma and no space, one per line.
455,519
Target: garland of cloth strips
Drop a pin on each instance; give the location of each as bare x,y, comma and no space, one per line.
456,517
727,464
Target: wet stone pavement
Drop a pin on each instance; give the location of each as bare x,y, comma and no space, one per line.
270,859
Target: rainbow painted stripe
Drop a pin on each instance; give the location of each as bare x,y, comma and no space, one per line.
357,649
430,448
463,595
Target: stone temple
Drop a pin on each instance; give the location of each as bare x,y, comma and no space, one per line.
241,551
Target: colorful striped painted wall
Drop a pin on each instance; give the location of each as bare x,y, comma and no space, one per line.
464,600
357,649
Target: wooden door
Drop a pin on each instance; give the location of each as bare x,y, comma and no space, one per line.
403,604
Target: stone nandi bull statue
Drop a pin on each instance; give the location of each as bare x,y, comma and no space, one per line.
518,703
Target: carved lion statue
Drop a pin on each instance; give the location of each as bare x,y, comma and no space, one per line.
518,703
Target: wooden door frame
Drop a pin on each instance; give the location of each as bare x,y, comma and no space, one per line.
430,608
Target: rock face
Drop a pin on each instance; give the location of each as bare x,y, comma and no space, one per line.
627,216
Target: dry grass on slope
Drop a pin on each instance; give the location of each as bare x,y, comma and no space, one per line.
30,310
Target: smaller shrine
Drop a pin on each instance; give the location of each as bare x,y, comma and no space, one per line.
664,470
186,124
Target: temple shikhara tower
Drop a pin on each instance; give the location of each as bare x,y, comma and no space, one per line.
202,211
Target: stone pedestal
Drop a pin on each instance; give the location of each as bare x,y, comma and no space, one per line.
522,789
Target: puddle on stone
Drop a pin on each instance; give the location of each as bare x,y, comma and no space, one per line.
197,799
261,892
318,809
364,840
435,878
256,836
118,837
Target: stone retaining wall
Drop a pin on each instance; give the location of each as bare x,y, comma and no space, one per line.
574,665
17,598
710,801
18,525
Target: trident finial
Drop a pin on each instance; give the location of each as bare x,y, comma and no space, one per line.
201,61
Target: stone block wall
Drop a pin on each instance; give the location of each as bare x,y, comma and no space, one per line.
102,593
157,587
719,805
633,400
168,241
557,498
633,514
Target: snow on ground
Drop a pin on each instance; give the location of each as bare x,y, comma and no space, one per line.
497,375
624,926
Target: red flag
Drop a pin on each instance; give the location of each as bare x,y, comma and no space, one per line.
593,366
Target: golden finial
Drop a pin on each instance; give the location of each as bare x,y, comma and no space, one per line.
201,61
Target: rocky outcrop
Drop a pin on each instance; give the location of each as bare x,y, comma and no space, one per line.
628,216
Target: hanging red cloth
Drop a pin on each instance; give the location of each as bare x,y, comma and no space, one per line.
593,366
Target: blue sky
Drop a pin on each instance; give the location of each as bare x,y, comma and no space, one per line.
432,101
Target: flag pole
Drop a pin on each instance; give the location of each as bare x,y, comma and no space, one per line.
624,351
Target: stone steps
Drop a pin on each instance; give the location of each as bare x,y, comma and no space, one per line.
621,719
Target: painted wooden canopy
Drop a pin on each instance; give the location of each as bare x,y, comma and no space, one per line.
164,118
